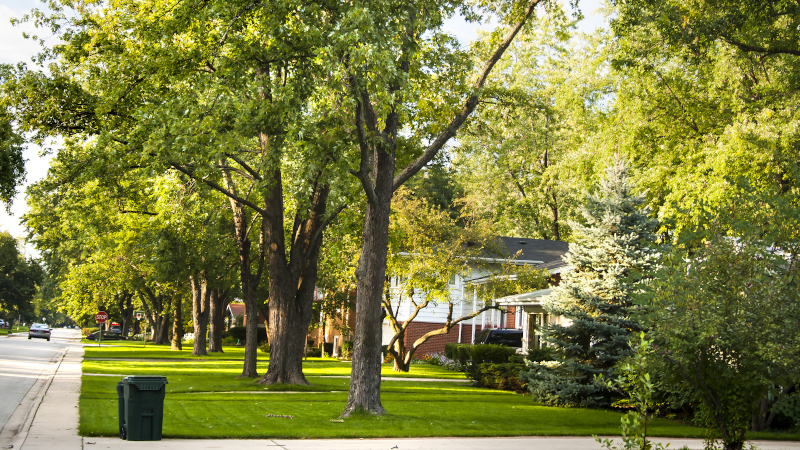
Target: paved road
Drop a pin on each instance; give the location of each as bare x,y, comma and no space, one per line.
21,363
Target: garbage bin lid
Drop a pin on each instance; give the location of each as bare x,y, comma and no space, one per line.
146,382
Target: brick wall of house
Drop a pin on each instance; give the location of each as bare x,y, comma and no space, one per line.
436,344
511,320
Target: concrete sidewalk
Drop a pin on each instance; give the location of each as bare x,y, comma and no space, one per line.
55,426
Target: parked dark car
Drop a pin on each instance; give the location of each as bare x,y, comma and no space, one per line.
107,336
507,337
39,330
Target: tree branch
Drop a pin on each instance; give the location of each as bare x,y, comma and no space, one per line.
469,105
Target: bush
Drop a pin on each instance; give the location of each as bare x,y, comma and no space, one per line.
490,353
231,341
451,350
503,376
540,354
438,359
88,331
347,349
264,347
314,352
240,333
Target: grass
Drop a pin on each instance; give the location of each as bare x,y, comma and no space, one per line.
205,399
7,331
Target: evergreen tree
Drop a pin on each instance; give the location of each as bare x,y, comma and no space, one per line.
612,253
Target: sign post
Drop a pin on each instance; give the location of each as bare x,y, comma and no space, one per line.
139,314
101,318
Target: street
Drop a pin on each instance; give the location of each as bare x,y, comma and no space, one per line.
23,361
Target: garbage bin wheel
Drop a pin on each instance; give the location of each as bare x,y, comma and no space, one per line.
48,339
123,433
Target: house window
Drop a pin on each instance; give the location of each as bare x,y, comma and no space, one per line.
453,279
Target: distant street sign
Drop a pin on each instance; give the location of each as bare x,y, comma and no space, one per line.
101,317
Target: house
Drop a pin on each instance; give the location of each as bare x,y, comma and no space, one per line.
542,254
235,315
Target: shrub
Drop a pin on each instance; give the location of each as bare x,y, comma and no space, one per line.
231,341
264,347
503,376
347,349
451,350
490,353
240,333
461,353
88,331
314,352
327,349
438,359
540,354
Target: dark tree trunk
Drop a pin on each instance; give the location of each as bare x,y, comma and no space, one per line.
248,279
365,377
126,308
162,330
201,299
217,303
291,283
177,323
377,147
156,313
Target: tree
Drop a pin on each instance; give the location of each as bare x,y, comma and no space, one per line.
427,248
19,278
520,160
394,55
612,255
724,319
232,112
12,164
705,95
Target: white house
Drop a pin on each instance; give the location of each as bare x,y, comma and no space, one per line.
544,254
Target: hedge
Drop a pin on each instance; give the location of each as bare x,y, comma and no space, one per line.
87,331
503,376
240,333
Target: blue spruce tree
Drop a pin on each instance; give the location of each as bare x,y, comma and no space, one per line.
612,253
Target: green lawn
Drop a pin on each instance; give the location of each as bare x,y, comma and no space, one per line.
206,400
6,331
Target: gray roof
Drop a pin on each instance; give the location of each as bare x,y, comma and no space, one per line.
549,252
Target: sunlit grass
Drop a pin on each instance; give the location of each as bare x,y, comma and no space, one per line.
206,399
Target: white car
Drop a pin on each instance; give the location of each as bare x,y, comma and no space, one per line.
39,330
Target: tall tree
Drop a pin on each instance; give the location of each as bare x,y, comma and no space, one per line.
19,278
427,248
386,77
520,161
229,104
706,95
612,254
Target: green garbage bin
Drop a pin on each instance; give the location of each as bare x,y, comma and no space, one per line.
144,407
121,409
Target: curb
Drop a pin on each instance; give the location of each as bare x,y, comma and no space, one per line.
16,429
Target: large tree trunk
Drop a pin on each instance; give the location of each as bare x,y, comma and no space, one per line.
126,308
250,369
291,284
201,299
177,323
217,302
365,377
156,313
249,280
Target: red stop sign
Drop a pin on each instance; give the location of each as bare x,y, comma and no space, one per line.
101,317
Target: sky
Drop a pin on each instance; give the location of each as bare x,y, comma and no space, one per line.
14,48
